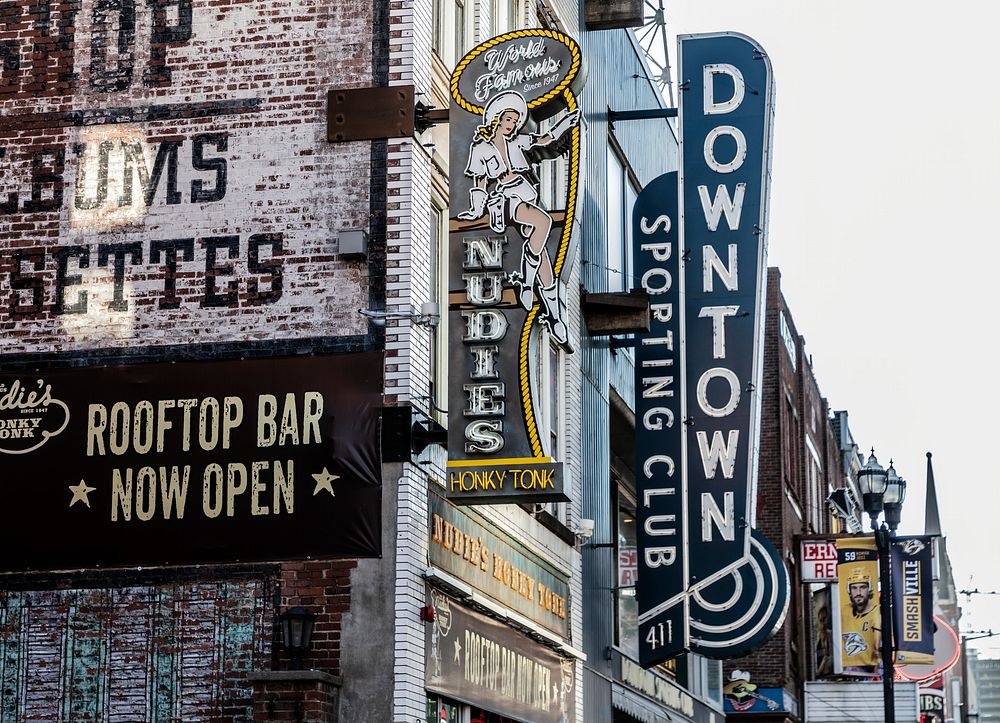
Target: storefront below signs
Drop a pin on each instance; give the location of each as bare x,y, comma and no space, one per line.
647,696
478,666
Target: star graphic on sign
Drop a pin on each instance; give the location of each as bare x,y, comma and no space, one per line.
80,493
324,482
458,652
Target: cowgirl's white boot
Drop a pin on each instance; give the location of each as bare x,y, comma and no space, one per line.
530,261
555,312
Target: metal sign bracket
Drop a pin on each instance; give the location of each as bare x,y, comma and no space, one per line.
365,114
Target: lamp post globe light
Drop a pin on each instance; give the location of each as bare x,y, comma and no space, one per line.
892,501
884,490
872,480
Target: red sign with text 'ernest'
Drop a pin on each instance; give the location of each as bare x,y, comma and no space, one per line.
819,561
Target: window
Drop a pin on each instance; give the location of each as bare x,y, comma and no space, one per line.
437,288
705,677
621,198
451,29
460,29
440,710
505,16
554,390
440,23
627,549
549,361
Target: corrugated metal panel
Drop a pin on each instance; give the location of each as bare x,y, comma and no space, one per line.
616,81
861,702
597,697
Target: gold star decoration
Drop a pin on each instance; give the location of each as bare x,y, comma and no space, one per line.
80,493
324,482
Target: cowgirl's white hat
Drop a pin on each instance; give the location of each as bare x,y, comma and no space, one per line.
508,100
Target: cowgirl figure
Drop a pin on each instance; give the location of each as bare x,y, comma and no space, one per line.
498,168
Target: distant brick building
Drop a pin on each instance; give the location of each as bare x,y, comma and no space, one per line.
799,463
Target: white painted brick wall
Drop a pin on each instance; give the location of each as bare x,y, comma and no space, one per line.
283,177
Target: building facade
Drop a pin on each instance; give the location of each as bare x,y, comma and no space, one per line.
205,242
800,464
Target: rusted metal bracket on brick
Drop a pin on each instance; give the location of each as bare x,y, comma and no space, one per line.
607,314
366,114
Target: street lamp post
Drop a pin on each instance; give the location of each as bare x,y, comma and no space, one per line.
883,489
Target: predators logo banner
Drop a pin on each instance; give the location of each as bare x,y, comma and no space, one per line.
912,599
857,619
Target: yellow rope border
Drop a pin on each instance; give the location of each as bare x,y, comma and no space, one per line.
527,401
574,68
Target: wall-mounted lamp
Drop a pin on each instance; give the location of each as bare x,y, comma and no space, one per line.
296,633
429,315
586,529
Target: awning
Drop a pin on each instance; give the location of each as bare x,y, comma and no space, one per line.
639,707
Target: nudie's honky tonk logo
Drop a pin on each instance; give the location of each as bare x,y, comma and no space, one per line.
30,414
509,252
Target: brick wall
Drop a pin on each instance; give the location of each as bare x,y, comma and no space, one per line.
167,190
324,589
109,649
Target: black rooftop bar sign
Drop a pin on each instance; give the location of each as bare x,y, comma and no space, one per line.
216,461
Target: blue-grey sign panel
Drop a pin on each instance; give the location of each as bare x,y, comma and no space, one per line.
508,259
661,583
913,599
737,583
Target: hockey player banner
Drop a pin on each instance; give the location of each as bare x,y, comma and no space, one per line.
856,625
661,583
913,600
508,253
737,583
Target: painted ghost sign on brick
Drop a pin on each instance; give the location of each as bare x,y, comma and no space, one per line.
164,175
509,254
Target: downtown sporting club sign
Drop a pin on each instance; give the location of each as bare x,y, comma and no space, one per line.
508,253
708,582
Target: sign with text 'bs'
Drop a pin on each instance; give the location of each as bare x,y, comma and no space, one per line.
508,260
264,459
819,560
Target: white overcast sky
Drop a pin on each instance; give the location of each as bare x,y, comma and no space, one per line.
886,181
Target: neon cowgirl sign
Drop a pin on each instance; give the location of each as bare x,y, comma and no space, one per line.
508,255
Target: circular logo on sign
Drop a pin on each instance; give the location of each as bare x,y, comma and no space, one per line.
737,613
29,415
